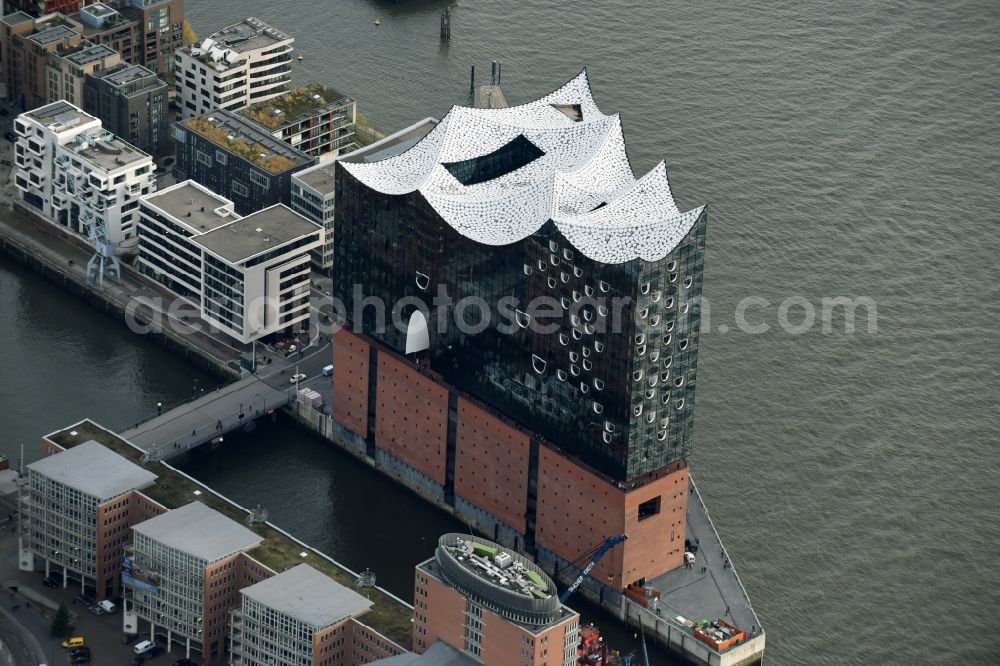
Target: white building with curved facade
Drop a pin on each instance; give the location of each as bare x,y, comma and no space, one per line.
242,64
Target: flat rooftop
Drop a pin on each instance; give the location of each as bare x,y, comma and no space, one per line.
122,76
17,18
193,205
248,35
239,136
105,150
256,233
308,596
62,114
319,177
438,654
394,144
87,53
278,551
95,470
55,33
197,530
295,105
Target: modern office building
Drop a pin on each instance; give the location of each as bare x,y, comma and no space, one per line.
315,119
160,31
184,574
248,276
561,411
302,617
242,64
81,504
25,46
71,171
313,188
69,68
493,604
131,102
237,158
101,24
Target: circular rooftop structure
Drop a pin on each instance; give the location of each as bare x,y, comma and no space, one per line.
498,578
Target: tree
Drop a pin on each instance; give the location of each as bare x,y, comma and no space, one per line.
62,623
188,37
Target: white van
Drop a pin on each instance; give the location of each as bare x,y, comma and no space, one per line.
107,606
327,371
142,647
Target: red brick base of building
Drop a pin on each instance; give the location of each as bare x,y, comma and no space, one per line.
517,489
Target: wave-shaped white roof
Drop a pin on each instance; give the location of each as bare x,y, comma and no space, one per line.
584,165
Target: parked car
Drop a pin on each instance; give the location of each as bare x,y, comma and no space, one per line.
296,378
81,652
155,651
142,648
137,661
82,659
48,582
72,643
95,609
184,662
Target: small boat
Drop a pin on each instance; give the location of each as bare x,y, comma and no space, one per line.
378,22
300,57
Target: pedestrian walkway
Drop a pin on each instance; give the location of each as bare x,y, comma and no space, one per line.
212,415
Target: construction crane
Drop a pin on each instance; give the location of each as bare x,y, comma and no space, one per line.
608,544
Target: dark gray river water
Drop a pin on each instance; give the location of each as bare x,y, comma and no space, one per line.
845,150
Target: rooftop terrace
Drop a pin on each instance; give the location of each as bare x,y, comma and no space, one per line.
105,150
501,579
256,233
248,35
194,205
299,103
277,551
237,135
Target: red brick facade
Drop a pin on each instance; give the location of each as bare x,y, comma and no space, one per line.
581,510
114,521
577,508
491,464
411,416
440,614
223,582
350,382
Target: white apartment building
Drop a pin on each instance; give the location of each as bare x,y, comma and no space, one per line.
248,276
242,64
72,172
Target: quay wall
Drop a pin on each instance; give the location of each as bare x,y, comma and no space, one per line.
61,258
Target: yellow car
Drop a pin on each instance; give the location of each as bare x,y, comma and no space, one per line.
73,643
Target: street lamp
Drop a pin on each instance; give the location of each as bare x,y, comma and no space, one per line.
159,408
